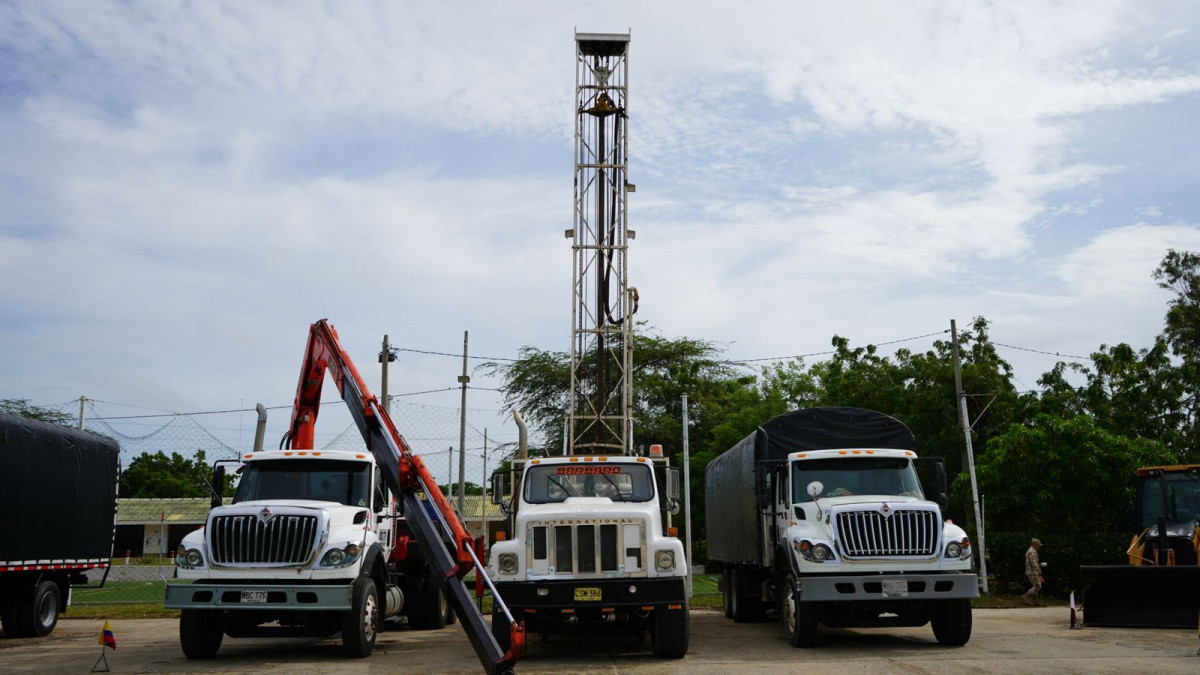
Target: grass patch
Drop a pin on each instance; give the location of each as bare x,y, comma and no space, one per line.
120,592
123,611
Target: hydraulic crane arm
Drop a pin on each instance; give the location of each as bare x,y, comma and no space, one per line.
406,475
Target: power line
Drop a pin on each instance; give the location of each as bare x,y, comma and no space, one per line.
457,356
1039,351
833,351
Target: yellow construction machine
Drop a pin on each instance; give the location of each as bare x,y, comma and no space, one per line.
1161,584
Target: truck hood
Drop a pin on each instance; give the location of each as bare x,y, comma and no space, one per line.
338,515
586,508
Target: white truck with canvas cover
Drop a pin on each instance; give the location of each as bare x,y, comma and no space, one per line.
820,516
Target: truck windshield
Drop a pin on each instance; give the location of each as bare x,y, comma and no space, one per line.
882,476
619,482
1183,502
324,480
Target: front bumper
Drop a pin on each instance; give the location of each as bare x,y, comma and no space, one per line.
916,587
614,593
312,597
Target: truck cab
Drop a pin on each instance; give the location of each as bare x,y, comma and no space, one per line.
587,544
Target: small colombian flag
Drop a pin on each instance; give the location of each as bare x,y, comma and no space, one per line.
106,637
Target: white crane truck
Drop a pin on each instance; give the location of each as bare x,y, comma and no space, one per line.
820,516
318,541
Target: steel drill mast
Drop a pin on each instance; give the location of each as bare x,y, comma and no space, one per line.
601,402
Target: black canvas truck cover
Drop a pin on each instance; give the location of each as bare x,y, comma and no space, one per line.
58,492
731,513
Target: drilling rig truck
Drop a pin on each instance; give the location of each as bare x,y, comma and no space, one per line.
820,516
319,541
589,543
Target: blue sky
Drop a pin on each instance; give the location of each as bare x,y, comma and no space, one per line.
186,186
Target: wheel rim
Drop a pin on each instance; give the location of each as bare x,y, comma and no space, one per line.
45,610
369,610
789,604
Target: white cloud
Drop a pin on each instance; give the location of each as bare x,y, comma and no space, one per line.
1117,263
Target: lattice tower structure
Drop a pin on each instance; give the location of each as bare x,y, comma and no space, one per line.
600,419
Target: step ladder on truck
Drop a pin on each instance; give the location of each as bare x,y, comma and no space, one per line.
240,564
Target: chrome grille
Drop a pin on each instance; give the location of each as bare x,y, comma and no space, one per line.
586,548
904,532
246,539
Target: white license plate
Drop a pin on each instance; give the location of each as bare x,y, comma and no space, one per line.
254,596
895,589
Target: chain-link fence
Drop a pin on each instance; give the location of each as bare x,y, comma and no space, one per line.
148,530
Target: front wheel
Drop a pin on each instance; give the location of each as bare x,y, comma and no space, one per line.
360,622
799,618
200,633
669,632
952,622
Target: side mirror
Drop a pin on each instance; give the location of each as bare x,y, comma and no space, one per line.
815,489
497,488
673,491
218,485
762,491
379,500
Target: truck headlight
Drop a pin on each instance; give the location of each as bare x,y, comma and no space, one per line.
664,561
821,553
189,557
507,563
340,557
956,549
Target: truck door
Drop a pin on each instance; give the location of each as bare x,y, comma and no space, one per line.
782,504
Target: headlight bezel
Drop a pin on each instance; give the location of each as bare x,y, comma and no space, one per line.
343,556
506,563
664,560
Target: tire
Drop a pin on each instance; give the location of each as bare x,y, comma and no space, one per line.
430,613
952,622
799,618
200,632
726,596
669,632
8,617
39,616
500,629
451,619
744,609
360,625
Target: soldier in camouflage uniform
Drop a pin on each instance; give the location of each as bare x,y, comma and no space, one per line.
1033,572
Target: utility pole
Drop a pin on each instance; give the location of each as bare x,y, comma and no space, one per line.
386,356
687,496
483,502
969,455
81,400
450,473
462,429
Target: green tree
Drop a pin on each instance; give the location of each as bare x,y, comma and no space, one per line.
22,408
1179,272
1065,476
158,476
